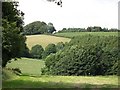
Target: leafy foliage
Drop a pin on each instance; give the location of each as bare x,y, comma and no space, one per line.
86,55
50,48
37,51
13,42
60,46
38,27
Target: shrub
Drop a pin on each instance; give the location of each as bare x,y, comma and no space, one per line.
37,51
50,48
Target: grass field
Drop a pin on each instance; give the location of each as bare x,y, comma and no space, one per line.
44,40
27,66
73,34
62,82
32,68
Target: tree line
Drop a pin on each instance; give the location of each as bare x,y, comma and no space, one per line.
39,52
89,29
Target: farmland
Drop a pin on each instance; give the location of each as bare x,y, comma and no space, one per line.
31,69
73,34
44,40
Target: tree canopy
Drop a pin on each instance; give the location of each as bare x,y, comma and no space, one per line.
85,55
13,42
37,51
38,27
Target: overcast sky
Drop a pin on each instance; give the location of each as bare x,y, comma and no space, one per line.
74,13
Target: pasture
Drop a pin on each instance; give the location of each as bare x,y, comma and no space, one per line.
62,82
28,66
73,34
32,68
44,40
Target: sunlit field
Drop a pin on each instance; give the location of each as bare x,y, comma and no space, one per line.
28,66
44,40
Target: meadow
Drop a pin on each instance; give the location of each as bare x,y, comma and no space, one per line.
28,66
62,82
31,78
73,34
44,40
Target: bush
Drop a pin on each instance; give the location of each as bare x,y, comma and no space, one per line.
50,48
37,51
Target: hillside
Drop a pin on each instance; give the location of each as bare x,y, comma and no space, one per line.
73,34
44,40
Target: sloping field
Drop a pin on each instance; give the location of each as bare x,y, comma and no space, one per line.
27,66
44,40
73,34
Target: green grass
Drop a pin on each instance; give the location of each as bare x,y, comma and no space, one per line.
44,40
27,66
73,34
62,82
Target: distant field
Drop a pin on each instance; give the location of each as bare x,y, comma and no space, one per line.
27,66
44,40
73,34
62,82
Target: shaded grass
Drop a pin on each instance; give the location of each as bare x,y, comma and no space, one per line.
44,40
62,82
28,66
73,34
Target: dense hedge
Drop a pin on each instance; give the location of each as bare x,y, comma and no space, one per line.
86,55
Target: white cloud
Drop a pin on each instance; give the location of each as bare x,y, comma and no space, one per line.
74,13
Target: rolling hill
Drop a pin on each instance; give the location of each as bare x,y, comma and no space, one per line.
44,40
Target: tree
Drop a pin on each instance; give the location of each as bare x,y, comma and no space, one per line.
50,48
36,27
37,51
13,42
51,28
57,2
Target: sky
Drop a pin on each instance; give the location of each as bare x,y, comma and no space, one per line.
72,14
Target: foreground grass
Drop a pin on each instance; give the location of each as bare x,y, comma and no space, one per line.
62,82
28,66
73,34
44,40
